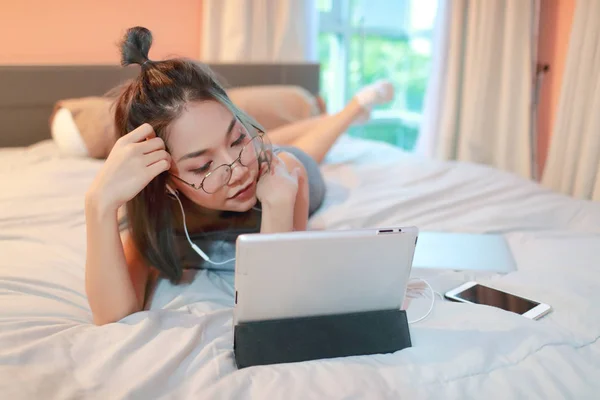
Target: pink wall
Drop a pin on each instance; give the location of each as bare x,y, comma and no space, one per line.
556,17
86,31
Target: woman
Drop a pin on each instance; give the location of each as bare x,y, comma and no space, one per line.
186,154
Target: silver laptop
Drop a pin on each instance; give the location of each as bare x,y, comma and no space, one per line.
463,251
313,273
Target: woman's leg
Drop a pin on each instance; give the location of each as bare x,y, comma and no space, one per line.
317,140
315,136
287,134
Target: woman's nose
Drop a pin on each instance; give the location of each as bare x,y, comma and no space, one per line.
238,173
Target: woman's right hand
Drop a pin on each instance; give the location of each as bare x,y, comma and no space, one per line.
133,162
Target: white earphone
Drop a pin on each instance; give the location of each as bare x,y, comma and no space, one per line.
173,193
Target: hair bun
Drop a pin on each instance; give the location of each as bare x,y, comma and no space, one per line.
135,46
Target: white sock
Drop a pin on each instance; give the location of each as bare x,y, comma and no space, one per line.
380,92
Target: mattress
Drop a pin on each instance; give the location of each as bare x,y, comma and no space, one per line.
181,347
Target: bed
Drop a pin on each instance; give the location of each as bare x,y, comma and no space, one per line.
181,346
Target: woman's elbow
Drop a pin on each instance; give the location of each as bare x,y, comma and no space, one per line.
104,317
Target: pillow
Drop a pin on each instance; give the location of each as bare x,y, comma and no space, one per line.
66,135
84,126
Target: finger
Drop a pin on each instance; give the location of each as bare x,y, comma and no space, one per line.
268,152
140,133
157,168
272,164
275,159
263,169
296,174
279,166
270,160
301,175
156,156
151,145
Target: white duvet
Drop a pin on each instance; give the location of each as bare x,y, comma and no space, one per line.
182,346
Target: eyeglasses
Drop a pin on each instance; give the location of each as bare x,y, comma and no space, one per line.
253,150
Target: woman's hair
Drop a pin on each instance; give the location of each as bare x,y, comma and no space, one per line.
157,97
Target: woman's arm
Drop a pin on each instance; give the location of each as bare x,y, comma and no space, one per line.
114,286
302,199
115,278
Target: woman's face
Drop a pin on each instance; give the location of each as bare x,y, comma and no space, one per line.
204,137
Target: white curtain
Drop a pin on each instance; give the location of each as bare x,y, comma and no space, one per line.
262,31
478,102
573,165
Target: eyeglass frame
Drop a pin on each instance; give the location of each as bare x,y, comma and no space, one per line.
261,134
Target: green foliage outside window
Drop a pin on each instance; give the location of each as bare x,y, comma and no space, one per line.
401,59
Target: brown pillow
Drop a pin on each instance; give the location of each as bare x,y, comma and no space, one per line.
272,106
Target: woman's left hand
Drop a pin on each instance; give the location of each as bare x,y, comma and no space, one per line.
276,186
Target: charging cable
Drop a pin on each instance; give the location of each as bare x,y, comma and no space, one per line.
196,248
433,293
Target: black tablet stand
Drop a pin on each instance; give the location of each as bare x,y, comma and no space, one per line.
312,338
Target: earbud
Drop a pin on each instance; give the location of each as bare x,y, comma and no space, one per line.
171,191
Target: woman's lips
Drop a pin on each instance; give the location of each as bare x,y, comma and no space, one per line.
246,193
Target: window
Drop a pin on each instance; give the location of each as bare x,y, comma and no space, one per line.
361,41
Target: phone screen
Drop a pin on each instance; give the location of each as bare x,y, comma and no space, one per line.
484,295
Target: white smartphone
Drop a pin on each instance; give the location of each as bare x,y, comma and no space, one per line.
475,293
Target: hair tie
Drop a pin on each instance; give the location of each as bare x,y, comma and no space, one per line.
144,63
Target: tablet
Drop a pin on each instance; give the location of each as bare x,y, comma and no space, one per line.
312,273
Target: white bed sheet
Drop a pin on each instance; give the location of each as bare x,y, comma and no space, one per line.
182,346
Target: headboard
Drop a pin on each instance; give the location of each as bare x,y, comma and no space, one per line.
28,93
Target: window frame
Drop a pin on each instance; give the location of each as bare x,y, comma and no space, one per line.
337,21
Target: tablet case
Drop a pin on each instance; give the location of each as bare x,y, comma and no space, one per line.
312,338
